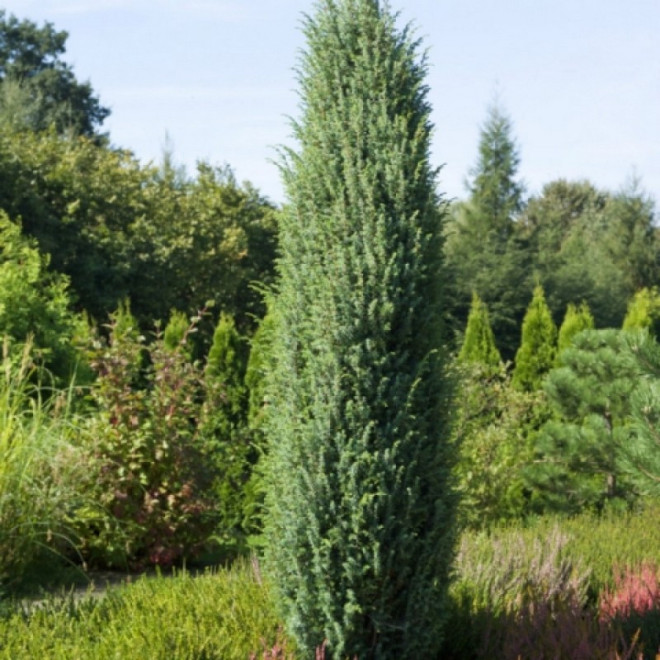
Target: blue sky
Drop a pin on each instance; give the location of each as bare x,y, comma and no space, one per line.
580,80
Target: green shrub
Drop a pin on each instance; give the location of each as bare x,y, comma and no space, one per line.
494,427
34,301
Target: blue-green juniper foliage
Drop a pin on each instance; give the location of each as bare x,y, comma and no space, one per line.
360,510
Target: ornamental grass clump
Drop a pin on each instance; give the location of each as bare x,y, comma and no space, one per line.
39,467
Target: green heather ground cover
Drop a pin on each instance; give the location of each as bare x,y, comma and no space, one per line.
222,614
586,583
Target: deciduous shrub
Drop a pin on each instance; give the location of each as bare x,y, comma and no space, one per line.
149,465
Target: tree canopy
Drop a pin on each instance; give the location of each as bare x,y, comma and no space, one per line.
37,87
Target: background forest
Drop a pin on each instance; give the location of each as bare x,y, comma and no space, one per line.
136,340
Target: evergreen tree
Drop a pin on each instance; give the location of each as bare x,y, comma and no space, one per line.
482,249
536,354
258,365
479,343
575,321
577,452
494,190
639,456
175,332
225,427
644,311
360,508
225,374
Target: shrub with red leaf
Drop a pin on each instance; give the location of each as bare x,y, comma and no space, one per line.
635,591
149,468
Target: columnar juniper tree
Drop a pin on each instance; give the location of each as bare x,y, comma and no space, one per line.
359,523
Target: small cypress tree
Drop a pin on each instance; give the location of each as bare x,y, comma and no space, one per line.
225,427
175,331
536,354
576,320
360,510
479,342
258,365
225,375
644,311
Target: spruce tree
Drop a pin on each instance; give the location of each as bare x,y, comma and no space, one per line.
360,509
479,342
536,354
482,249
575,321
494,190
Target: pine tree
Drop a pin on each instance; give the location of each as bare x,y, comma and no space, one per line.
575,321
479,342
360,509
639,457
578,451
536,354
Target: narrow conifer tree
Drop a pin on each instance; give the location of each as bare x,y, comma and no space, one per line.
575,321
225,375
536,354
360,510
225,427
644,311
479,342
175,332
